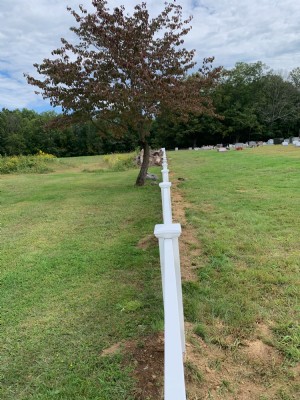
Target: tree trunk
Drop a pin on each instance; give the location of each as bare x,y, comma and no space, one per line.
194,142
140,181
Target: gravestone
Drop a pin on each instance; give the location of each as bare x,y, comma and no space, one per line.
278,140
239,146
156,158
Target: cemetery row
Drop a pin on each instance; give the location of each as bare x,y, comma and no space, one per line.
240,146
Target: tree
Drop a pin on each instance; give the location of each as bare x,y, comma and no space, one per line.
294,77
11,133
280,101
237,99
124,70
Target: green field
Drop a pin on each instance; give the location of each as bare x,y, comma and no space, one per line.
74,280
245,208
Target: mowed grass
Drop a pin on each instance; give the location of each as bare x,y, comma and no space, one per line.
73,281
245,206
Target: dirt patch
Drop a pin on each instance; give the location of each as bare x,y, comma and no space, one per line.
189,245
228,374
148,359
263,331
260,352
115,348
147,242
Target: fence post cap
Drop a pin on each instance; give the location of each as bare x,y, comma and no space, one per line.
164,185
167,231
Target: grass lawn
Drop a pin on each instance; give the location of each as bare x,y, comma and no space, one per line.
245,209
73,281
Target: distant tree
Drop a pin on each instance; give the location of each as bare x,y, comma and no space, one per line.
279,101
12,141
294,77
124,70
197,130
237,98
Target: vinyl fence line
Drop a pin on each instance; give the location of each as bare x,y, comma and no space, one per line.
168,234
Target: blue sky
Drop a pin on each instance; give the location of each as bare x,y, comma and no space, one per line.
231,31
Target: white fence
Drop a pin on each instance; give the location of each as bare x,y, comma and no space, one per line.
168,234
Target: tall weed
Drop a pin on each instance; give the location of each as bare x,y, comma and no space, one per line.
38,163
120,162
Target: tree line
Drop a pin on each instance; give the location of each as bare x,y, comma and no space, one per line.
251,102
25,132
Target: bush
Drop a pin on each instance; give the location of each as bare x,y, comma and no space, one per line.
26,164
120,162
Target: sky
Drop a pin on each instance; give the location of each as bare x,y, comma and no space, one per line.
229,30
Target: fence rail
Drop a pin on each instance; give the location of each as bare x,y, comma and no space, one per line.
168,234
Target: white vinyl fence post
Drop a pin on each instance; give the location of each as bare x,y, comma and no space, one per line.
165,174
166,201
162,263
174,371
179,291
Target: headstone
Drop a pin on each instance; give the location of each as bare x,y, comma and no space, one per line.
278,140
156,158
190,148
176,148
297,144
270,141
285,143
222,149
152,177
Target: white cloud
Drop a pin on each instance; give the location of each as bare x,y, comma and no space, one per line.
230,30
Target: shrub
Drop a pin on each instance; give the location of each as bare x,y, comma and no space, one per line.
26,164
120,162
45,156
